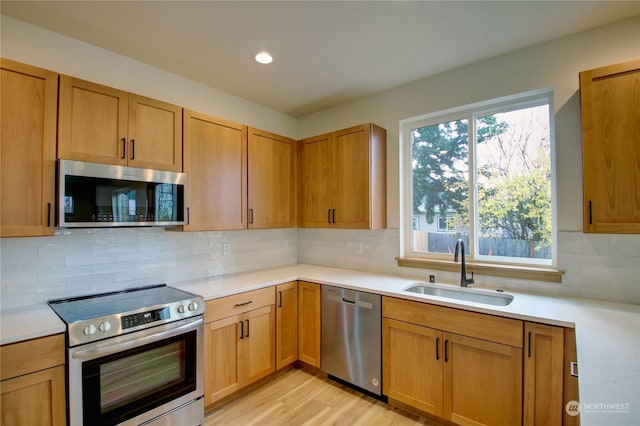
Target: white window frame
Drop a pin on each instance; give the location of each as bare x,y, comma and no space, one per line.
471,112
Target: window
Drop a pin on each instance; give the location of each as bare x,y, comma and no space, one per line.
483,173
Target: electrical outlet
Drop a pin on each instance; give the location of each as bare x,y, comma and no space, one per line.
358,247
226,249
432,278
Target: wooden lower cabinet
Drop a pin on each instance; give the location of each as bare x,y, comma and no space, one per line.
482,382
455,376
240,348
33,387
412,365
543,374
309,331
286,324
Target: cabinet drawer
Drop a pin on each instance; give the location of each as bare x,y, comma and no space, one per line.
482,326
32,355
239,303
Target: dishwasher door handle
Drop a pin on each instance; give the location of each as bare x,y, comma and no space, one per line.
344,300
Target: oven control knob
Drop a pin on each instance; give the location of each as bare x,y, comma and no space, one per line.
193,306
89,329
181,309
104,326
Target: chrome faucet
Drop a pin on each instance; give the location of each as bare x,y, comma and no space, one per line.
464,281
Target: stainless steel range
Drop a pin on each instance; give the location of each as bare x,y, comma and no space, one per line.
134,357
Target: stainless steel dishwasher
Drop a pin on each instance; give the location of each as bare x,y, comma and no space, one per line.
351,338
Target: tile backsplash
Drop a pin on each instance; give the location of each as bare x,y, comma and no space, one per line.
74,262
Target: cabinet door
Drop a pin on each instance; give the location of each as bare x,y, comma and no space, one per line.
286,324
316,178
221,358
215,158
28,144
309,330
352,177
34,399
258,344
412,365
610,101
92,122
155,134
482,382
271,180
543,374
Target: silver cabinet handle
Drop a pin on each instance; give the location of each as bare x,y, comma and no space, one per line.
574,369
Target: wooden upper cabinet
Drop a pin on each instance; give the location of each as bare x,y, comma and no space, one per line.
104,125
215,159
316,181
271,180
610,101
155,134
343,179
28,150
361,178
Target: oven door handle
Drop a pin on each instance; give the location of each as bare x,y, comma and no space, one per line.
150,337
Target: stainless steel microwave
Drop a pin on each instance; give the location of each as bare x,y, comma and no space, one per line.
102,195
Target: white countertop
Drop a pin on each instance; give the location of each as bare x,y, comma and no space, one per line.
28,322
607,334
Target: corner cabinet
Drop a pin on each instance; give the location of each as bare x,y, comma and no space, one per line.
271,188
105,125
461,366
239,342
343,179
309,325
286,324
610,101
215,160
28,150
239,177
33,382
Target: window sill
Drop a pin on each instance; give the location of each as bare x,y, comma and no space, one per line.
551,275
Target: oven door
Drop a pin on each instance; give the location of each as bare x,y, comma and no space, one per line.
139,377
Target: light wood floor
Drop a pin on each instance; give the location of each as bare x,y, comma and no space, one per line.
300,397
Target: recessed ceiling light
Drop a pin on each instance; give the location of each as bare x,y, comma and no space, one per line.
264,58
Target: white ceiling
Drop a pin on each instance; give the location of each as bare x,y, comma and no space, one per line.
326,52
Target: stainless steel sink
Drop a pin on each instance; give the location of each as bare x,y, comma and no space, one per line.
497,299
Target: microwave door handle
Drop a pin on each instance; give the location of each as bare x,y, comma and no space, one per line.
150,337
